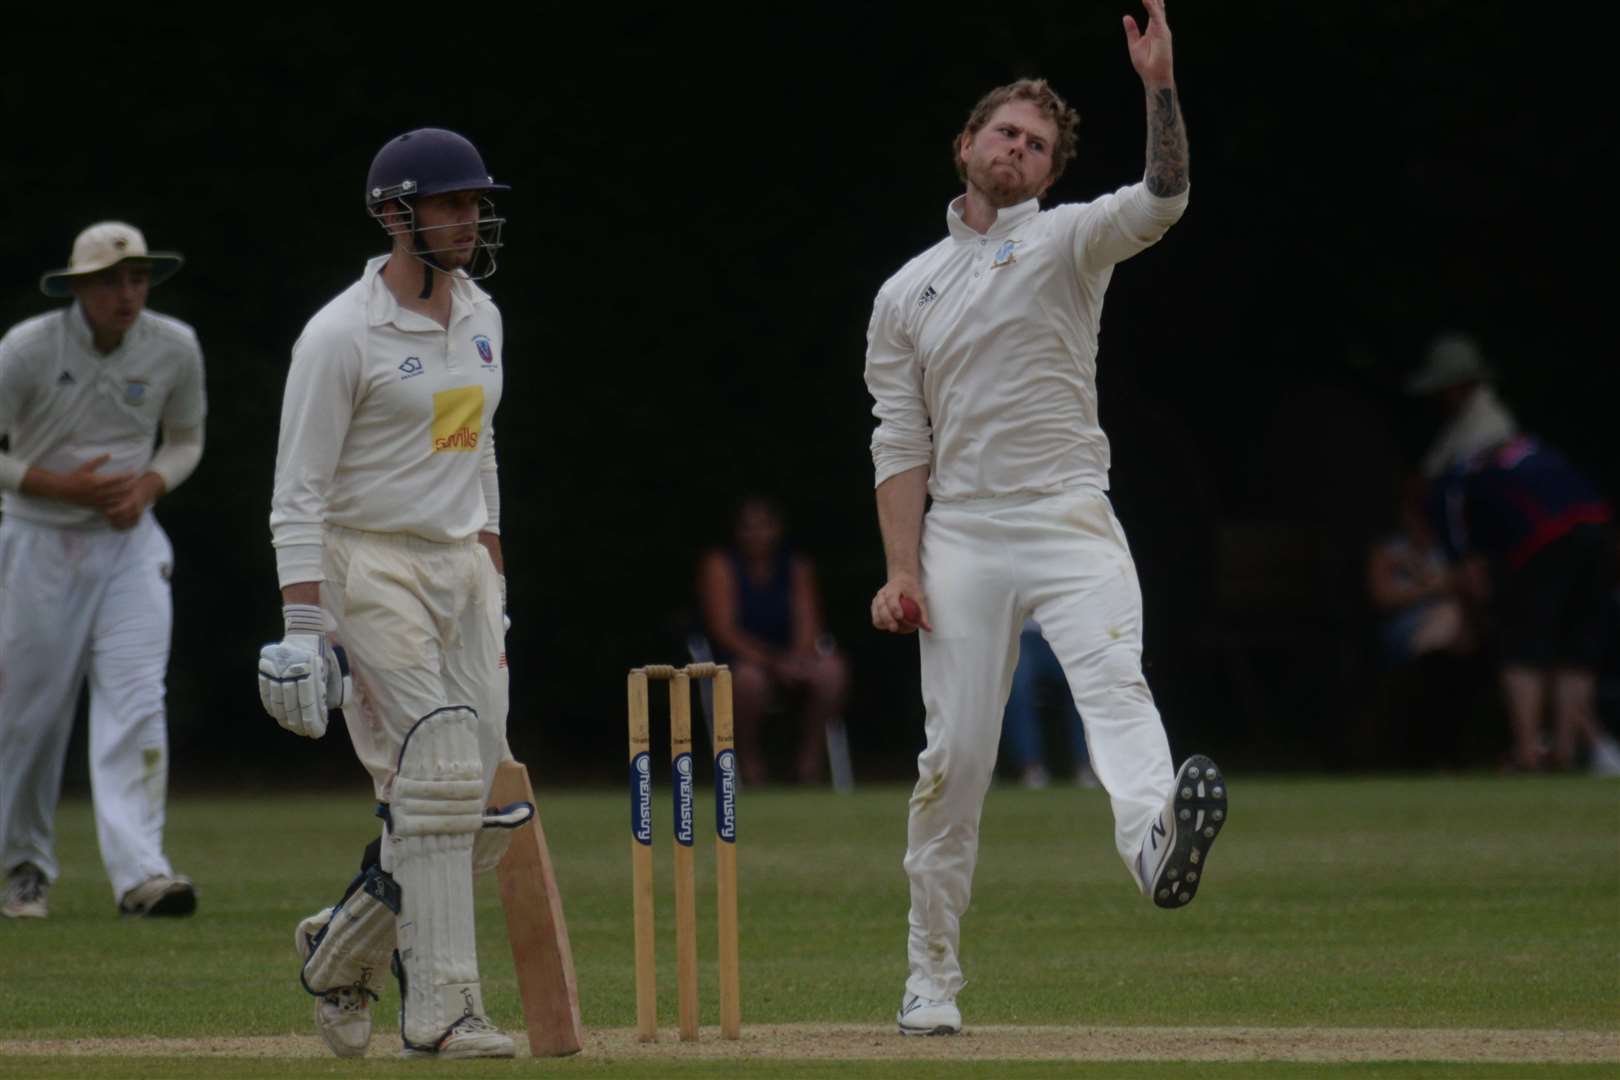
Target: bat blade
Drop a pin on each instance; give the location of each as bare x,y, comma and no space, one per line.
541,955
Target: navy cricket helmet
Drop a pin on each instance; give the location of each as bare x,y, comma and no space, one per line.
427,161
432,161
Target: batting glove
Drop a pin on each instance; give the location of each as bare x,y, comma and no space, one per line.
302,676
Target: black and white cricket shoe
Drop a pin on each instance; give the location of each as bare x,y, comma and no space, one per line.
1173,858
925,1016
26,893
472,1036
161,895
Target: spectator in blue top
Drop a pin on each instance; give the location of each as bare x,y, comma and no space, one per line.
1543,535
761,609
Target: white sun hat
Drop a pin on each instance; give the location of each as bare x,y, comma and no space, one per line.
107,244
1452,360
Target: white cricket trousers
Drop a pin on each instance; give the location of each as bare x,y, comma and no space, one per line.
78,603
987,565
422,624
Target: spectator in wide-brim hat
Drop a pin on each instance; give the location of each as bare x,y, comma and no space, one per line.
1456,378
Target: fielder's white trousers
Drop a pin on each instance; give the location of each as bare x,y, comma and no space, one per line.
422,624
77,604
988,564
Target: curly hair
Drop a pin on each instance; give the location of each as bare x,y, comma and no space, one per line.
1043,97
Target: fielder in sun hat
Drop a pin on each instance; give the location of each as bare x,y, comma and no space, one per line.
104,245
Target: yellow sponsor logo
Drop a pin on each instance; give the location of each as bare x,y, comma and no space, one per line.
458,417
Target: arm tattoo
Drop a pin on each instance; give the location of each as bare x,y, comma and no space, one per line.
1167,145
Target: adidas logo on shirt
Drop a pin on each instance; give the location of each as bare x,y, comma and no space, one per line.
928,294
65,379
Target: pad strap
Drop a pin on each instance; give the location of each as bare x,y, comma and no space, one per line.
437,807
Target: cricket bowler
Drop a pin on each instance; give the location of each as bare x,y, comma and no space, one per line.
981,358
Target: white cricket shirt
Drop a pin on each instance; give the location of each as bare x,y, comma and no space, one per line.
62,403
982,351
387,422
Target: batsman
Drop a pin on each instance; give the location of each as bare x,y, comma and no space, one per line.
385,519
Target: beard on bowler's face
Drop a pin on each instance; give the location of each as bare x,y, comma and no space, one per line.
1003,182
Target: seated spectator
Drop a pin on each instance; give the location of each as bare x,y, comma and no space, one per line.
1414,588
1038,676
761,610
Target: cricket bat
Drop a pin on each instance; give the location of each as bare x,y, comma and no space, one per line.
534,925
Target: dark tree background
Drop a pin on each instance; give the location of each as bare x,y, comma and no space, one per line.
702,210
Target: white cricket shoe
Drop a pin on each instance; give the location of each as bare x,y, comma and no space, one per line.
469,1037
1171,864
160,895
925,1016
342,1015
26,890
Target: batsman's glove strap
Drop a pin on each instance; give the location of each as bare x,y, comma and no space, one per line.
303,619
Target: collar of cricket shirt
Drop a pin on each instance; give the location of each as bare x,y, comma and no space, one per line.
83,338
1008,219
382,308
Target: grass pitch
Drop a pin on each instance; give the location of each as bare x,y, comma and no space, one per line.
1362,928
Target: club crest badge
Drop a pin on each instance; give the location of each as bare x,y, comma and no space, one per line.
1004,255
135,391
486,352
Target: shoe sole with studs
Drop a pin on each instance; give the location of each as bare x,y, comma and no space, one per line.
1199,808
